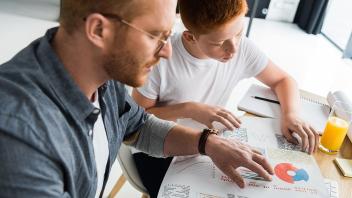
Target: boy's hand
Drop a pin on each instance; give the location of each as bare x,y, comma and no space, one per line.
292,123
228,155
207,114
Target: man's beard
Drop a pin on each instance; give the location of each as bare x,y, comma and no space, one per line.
126,68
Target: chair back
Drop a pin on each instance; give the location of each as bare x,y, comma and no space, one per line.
129,169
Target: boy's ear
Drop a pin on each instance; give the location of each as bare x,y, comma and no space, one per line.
189,36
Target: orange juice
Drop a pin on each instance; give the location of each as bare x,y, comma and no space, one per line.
334,133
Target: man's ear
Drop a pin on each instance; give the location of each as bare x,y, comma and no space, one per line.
97,30
189,36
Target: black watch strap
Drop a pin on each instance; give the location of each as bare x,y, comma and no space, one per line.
203,139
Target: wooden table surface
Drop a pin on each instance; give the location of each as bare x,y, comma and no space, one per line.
330,170
326,162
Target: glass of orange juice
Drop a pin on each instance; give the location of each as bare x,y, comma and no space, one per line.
336,128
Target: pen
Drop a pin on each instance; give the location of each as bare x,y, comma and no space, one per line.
266,99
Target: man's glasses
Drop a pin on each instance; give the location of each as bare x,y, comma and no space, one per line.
162,41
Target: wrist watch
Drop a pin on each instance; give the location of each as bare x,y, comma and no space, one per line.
203,139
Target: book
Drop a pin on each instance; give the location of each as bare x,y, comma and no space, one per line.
296,173
313,110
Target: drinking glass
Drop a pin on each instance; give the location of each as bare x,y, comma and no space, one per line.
336,128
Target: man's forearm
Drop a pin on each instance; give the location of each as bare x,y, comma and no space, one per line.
151,136
181,141
161,138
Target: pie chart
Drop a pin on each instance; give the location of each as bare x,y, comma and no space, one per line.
290,174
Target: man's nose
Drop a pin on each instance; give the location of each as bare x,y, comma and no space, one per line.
166,51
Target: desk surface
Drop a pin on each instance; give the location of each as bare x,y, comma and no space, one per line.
326,162
330,170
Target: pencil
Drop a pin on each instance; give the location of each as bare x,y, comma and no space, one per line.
266,99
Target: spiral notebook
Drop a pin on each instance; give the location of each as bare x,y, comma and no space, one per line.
313,111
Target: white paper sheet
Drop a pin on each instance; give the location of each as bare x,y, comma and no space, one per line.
198,177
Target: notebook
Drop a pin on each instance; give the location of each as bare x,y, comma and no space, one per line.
345,165
312,111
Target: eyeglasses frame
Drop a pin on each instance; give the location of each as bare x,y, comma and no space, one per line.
163,42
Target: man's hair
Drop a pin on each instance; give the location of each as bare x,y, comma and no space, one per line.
202,16
73,12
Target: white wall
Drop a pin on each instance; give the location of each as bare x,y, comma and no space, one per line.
23,21
40,9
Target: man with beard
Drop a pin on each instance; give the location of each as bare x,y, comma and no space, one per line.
64,110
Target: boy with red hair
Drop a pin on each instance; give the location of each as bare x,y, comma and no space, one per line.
209,59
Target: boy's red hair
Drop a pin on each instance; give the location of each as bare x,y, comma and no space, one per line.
201,16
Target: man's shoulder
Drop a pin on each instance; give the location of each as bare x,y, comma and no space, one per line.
25,104
31,117
22,79
21,85
25,98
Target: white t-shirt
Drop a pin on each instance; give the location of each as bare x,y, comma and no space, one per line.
184,78
101,147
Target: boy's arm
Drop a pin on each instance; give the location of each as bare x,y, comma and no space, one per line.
287,92
169,112
202,113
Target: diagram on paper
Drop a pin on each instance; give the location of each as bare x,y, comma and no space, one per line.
262,138
290,174
296,174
